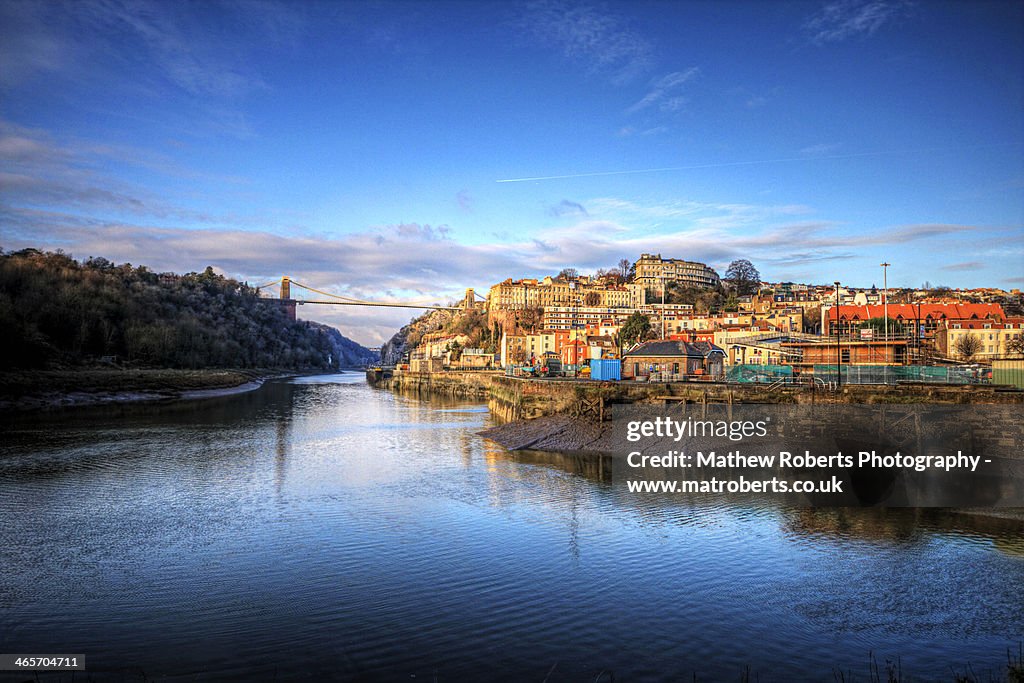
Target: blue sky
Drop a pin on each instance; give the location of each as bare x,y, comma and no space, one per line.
361,147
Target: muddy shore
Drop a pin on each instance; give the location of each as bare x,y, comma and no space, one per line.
567,434
28,391
552,433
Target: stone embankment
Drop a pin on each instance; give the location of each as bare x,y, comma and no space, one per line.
516,398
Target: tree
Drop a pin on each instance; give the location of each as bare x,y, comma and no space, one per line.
743,276
878,325
568,274
530,318
812,320
592,299
1015,346
624,267
967,346
637,328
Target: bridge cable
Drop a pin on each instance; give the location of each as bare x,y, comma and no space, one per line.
350,299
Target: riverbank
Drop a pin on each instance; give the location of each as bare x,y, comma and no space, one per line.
31,390
516,398
561,433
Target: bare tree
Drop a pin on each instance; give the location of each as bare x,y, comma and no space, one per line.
530,318
967,346
743,276
624,265
1015,346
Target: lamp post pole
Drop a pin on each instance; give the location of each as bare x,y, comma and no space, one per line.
572,324
918,332
839,355
663,307
885,305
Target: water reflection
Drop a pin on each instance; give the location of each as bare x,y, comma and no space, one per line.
321,529
1004,528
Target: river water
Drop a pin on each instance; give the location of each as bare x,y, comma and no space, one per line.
321,529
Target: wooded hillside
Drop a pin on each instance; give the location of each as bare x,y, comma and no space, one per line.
56,311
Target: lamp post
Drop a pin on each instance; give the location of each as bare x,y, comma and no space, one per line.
885,305
918,332
663,307
839,355
572,323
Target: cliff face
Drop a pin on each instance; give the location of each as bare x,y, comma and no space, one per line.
392,352
344,351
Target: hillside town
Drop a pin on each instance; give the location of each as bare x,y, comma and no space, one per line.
668,319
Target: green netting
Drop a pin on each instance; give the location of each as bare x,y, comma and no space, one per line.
758,373
894,374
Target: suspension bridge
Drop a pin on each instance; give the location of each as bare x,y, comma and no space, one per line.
289,303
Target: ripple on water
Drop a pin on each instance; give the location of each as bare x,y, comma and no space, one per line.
377,536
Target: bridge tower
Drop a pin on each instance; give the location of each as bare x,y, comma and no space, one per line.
287,302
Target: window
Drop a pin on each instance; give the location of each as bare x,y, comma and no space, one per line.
845,356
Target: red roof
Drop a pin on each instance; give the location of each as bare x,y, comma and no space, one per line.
981,325
926,311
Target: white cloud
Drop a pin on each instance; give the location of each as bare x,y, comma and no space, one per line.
820,150
664,91
601,40
836,21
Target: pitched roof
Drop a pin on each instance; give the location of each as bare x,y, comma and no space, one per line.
674,348
912,312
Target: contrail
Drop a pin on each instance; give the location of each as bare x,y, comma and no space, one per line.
752,163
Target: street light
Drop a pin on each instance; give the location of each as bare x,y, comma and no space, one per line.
572,324
918,332
885,305
839,356
663,306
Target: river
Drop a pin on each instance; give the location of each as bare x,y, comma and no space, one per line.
321,529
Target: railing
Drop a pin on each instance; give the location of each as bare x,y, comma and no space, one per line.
678,377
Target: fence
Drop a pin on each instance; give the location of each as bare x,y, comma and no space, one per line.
896,374
758,374
875,374
1007,371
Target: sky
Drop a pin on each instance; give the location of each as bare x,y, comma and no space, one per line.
404,151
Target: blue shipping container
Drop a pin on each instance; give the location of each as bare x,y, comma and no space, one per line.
609,368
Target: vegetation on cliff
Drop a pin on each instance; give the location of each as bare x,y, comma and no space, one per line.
59,312
469,323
